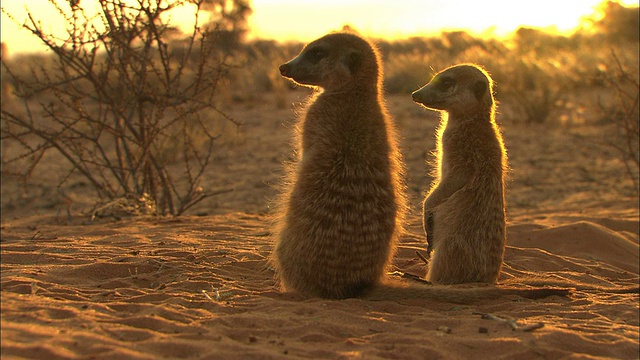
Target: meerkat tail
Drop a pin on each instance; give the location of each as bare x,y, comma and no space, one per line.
397,291
545,282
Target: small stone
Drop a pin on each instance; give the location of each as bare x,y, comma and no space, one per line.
483,330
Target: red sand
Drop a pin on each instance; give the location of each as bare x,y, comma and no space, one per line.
200,287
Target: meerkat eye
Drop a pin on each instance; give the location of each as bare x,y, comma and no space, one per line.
446,83
316,54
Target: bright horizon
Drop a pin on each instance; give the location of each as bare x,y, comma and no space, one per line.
296,20
306,20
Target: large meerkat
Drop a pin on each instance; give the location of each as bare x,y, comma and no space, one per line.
344,204
464,211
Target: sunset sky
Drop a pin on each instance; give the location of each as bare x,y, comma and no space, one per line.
305,20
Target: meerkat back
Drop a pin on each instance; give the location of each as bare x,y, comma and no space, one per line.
464,211
342,208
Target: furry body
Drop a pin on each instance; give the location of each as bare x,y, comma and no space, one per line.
344,204
464,211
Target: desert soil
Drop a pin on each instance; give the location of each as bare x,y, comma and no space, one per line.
200,286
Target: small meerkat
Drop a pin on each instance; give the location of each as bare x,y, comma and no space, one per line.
344,207
464,211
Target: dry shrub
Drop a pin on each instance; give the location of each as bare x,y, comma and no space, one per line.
260,61
623,113
407,73
122,100
533,91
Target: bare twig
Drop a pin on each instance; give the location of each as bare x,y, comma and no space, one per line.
421,257
410,276
511,322
625,117
116,94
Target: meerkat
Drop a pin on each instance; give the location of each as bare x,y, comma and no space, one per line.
464,211
343,206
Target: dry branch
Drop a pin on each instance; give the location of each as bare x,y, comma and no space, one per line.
124,100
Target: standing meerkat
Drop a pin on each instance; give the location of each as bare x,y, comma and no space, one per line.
344,207
344,204
464,212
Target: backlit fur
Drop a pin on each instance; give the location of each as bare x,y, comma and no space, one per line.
343,205
466,202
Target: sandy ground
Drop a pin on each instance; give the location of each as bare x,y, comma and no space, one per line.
199,286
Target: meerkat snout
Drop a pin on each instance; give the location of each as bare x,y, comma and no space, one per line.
423,97
434,94
416,96
426,95
284,68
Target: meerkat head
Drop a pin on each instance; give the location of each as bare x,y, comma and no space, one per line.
334,62
460,89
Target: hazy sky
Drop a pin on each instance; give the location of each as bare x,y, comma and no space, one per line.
305,20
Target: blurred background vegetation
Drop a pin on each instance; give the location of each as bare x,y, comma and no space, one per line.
589,77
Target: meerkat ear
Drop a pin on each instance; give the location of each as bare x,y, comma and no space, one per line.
479,89
353,61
